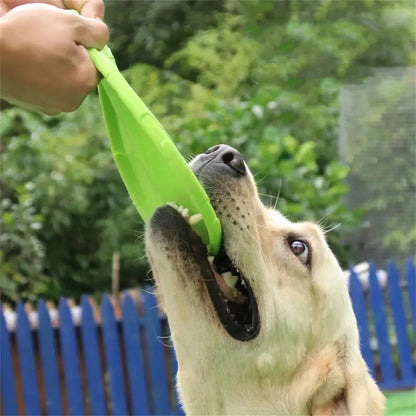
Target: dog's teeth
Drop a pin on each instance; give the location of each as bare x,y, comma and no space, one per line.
211,259
194,219
173,205
230,280
237,293
183,211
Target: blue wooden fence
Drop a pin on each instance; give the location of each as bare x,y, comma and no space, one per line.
118,366
387,323
123,365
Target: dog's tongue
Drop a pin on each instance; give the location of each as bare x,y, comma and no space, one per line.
227,291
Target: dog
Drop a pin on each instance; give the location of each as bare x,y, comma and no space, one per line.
266,327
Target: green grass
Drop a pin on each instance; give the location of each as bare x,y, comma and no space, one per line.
401,403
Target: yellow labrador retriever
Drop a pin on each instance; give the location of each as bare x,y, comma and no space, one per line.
266,327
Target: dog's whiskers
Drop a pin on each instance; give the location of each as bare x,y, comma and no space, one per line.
327,228
190,157
334,227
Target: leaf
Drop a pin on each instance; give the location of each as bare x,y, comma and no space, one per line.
305,154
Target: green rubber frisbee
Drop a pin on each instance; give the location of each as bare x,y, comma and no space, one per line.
152,169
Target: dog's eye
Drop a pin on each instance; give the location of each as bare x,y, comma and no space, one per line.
301,250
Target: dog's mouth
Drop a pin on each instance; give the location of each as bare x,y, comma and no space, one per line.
233,298
229,291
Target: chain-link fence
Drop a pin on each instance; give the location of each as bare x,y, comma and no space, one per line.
377,140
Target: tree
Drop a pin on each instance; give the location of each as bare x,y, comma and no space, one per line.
305,50
149,31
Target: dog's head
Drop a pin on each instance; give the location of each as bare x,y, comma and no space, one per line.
271,275
272,296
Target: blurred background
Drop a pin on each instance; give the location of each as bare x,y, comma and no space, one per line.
318,96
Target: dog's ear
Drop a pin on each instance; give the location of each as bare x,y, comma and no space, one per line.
359,394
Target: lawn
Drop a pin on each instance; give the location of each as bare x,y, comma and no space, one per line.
401,403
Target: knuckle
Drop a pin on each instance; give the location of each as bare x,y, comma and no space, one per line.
81,29
93,33
88,80
105,34
100,32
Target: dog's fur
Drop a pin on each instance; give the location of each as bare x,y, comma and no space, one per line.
306,358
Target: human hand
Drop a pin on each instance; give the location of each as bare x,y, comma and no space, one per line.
45,65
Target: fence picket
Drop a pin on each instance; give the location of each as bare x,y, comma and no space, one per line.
358,303
27,362
70,359
49,361
113,358
134,353
159,383
7,380
411,289
382,330
399,317
92,359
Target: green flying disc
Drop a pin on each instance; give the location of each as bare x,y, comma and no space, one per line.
150,165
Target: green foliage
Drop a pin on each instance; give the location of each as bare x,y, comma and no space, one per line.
305,49
287,168
64,209
262,76
22,253
148,31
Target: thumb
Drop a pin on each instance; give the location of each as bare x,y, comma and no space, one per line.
91,33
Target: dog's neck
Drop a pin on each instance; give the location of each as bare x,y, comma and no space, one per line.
248,383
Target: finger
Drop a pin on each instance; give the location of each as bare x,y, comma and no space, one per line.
87,8
91,33
93,9
87,74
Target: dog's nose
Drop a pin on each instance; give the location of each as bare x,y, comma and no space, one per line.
229,156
